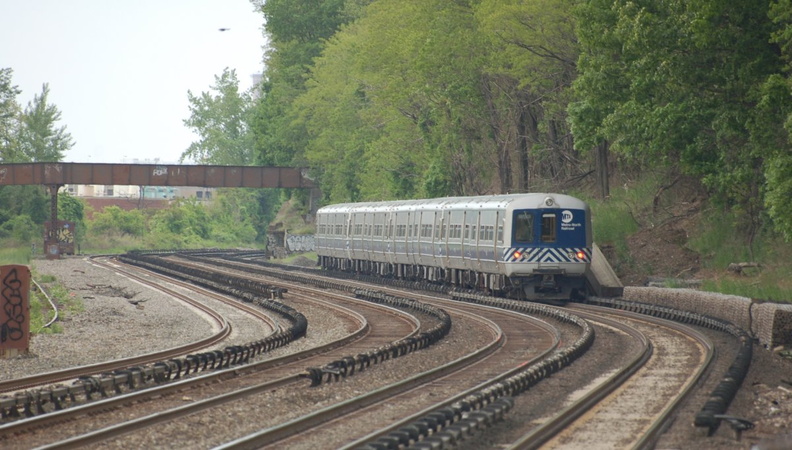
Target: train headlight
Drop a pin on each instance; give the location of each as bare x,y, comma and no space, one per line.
581,255
549,201
517,255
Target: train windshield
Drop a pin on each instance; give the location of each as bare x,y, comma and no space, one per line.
523,227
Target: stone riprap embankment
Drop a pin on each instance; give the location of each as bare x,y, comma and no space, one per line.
770,323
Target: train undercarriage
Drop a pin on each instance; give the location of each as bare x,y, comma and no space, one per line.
548,285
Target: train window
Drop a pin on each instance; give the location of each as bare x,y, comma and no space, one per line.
500,233
549,227
426,230
486,233
523,226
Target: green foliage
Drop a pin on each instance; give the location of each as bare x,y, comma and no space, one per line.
233,217
29,200
221,120
20,229
14,253
296,30
116,220
72,209
9,114
768,286
186,221
41,312
39,139
678,83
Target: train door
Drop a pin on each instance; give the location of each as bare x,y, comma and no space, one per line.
438,244
365,242
346,235
500,247
427,237
477,225
390,247
410,238
548,235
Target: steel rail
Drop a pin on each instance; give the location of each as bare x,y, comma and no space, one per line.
136,424
362,328
223,298
540,435
74,372
278,433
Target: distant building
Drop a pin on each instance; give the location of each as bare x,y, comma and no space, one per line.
136,192
140,192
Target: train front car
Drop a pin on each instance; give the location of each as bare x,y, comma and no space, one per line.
549,246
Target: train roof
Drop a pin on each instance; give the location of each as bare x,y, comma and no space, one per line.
502,201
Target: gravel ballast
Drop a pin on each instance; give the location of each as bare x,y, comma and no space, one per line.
114,326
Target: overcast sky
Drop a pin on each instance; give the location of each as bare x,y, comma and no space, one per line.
119,71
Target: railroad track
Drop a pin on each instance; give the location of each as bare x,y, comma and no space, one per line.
655,426
223,330
264,376
687,343
372,407
520,341
636,403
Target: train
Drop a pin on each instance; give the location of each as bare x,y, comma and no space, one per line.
534,246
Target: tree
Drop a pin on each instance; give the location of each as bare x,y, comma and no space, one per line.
530,67
393,107
9,117
775,108
296,31
221,120
72,209
116,220
39,138
674,83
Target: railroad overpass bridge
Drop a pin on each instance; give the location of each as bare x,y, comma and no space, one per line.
56,175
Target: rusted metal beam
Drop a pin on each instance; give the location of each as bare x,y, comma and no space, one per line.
154,175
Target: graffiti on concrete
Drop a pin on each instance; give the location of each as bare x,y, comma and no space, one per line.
300,243
13,300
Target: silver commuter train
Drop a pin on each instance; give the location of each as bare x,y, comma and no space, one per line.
531,246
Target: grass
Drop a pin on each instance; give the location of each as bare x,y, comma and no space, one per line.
719,240
68,303
721,243
614,219
291,258
40,309
11,253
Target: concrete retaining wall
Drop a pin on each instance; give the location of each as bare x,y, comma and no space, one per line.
770,323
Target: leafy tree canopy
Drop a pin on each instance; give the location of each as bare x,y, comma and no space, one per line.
221,120
40,140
